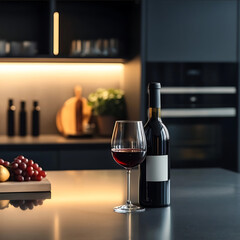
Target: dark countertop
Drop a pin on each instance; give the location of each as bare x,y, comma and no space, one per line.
205,204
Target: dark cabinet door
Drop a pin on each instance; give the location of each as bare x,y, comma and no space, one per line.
46,159
87,159
196,30
24,28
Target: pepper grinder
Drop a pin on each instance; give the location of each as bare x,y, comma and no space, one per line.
35,119
11,118
22,120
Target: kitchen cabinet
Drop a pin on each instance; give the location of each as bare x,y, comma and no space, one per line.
88,158
54,152
97,20
191,31
24,21
78,20
47,159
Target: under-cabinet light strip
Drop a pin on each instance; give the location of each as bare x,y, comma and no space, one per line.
55,33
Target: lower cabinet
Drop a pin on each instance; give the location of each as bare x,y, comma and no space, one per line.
86,159
64,157
48,160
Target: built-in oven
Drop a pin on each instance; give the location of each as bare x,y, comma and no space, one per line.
199,107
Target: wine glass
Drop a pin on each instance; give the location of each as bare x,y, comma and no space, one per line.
128,147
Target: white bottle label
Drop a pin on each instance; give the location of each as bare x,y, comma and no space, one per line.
157,168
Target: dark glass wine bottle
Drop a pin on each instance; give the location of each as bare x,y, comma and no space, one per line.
11,118
155,170
22,120
35,119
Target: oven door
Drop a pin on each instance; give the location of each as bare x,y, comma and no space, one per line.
202,137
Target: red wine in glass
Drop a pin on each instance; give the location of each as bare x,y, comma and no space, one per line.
128,148
128,157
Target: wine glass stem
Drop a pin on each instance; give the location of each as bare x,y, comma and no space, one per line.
128,187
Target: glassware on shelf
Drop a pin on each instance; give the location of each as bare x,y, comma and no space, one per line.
4,48
23,48
29,48
114,47
86,48
105,51
76,48
95,48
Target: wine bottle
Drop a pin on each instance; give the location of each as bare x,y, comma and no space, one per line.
22,120
11,118
155,170
35,119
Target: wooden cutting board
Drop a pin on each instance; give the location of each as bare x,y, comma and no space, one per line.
74,115
31,186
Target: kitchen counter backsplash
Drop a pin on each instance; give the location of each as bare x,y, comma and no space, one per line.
50,84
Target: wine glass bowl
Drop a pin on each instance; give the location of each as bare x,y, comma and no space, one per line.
128,148
128,157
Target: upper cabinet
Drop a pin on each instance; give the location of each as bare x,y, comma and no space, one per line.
97,28
73,29
191,30
24,28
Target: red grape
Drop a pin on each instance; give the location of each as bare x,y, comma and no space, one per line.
39,178
27,178
17,161
21,157
6,163
35,166
30,171
1,161
25,160
43,174
30,162
35,173
14,165
19,178
18,171
23,166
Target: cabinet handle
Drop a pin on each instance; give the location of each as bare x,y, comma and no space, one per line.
198,112
55,33
198,90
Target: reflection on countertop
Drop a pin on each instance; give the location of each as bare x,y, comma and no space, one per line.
23,201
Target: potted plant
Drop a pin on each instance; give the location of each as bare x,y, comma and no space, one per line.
107,105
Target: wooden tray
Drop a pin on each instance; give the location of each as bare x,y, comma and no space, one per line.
25,196
31,186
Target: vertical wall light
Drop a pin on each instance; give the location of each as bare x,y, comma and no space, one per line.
55,33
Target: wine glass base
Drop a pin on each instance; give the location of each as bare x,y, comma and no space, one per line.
128,209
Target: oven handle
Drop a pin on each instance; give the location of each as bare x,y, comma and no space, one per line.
200,112
198,90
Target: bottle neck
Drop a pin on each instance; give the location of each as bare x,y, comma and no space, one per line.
154,99
154,112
